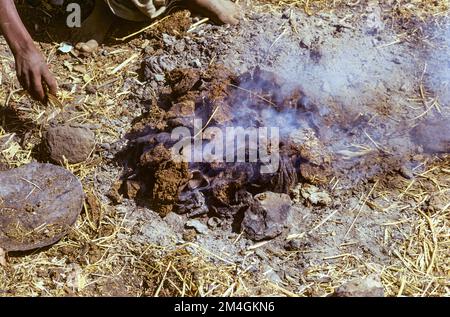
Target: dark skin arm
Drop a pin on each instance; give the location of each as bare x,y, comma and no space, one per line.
32,70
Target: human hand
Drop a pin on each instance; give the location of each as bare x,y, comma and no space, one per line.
33,73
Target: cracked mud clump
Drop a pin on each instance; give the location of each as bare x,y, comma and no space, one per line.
222,99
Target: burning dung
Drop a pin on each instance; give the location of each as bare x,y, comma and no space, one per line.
216,143
220,142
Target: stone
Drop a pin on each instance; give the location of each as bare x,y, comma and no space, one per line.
309,146
368,287
406,172
315,196
169,40
90,89
189,235
214,222
184,108
294,245
198,226
88,47
106,146
80,69
196,63
271,275
159,78
72,143
157,65
267,216
175,221
193,203
153,229
3,167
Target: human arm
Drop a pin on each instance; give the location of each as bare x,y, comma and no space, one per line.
31,68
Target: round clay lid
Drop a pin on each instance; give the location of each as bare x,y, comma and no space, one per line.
38,205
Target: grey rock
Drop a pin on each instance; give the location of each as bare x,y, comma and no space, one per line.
193,203
368,287
106,146
199,227
180,46
159,77
157,64
315,196
267,216
73,143
169,40
156,232
261,254
175,221
271,275
406,172
214,222
196,63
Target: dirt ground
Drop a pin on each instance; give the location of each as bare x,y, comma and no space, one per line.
377,72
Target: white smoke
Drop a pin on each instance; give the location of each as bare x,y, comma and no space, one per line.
368,70
438,68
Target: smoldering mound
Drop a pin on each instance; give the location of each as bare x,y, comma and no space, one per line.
318,142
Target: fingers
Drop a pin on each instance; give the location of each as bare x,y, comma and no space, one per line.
227,19
48,78
33,82
37,90
24,80
34,75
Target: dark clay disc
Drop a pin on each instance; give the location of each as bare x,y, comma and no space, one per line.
38,205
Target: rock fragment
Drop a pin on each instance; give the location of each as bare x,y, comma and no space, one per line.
74,144
3,167
198,226
368,287
315,196
267,216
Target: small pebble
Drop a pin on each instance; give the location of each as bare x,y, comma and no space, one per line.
214,222
91,90
105,146
199,227
294,245
159,77
406,172
196,63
